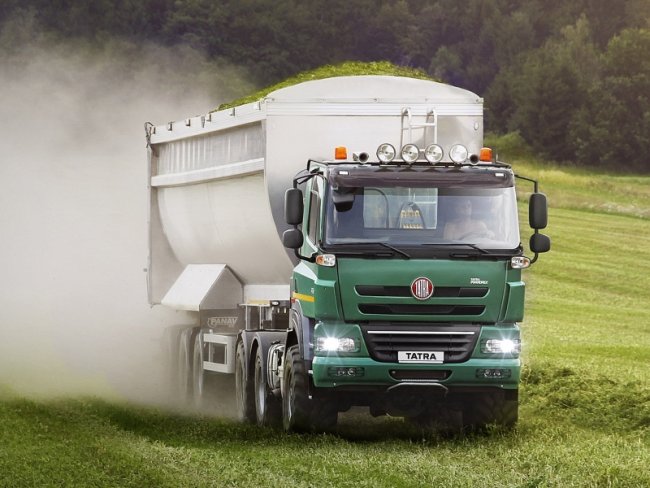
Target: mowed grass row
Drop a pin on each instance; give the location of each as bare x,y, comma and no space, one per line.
585,396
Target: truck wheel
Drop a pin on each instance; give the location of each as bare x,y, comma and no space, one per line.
268,408
198,374
295,400
245,401
490,409
184,367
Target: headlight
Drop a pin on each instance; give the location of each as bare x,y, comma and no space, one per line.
336,344
458,153
386,153
433,153
410,153
501,346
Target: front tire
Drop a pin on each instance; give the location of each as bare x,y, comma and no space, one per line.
295,401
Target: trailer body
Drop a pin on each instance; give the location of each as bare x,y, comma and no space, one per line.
310,316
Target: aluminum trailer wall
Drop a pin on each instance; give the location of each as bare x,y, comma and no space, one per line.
217,181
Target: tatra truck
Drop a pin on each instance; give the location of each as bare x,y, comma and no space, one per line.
343,242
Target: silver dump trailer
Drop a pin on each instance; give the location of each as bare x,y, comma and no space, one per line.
218,180
217,217
217,184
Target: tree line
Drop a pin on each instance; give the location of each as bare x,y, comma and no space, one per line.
571,78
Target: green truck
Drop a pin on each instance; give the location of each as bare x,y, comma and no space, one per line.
343,242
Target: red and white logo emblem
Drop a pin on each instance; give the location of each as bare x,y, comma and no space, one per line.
422,288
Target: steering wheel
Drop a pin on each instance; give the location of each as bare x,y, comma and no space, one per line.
477,234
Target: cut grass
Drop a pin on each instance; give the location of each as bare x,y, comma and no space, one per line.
585,393
93,443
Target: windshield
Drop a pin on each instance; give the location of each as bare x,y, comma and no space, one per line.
417,216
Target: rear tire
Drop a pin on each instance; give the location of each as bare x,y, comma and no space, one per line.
268,408
199,379
184,367
244,394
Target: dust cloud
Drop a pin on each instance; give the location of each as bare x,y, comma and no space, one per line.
74,317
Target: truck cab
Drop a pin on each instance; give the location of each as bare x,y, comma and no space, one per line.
409,285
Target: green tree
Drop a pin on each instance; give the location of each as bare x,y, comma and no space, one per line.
613,127
541,95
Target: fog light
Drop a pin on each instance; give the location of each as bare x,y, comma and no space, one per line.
492,373
458,153
433,153
336,344
501,346
410,153
386,153
346,372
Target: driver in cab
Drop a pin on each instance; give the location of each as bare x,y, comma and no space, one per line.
463,226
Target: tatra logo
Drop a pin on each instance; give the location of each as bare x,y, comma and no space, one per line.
422,288
222,321
477,281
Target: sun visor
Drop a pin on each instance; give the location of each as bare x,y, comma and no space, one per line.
204,286
420,176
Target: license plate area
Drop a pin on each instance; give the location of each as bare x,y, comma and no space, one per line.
421,357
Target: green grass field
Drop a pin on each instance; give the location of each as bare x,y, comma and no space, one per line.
585,397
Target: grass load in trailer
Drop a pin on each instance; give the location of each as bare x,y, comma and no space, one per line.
343,242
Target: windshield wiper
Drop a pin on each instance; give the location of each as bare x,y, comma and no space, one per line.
383,244
398,251
449,244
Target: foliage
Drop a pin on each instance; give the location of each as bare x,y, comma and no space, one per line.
350,68
613,127
570,77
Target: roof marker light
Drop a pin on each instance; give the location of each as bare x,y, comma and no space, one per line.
341,152
485,155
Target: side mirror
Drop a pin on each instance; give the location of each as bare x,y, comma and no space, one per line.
293,207
292,238
540,243
537,211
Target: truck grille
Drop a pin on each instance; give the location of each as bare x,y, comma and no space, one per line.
402,309
384,340
419,308
405,291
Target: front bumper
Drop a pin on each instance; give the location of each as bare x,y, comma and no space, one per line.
341,372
